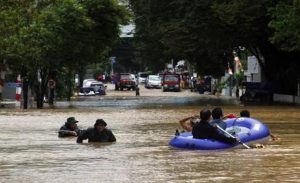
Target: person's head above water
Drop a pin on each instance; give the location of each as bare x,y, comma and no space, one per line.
217,113
245,113
205,115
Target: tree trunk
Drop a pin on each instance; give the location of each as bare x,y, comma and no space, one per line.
69,93
51,97
69,85
25,93
38,96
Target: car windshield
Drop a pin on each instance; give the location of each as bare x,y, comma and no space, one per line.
143,75
125,77
171,78
154,78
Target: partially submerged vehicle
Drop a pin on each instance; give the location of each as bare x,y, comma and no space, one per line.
92,87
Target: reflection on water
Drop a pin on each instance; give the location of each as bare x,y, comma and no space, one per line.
30,150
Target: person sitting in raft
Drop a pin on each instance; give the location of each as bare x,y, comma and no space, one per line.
97,134
69,129
203,129
189,126
246,113
217,115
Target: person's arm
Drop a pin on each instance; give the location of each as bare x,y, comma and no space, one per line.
186,126
65,133
82,136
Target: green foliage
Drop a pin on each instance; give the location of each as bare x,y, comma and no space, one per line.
286,23
57,37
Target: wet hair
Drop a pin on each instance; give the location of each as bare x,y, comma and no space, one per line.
100,122
245,113
217,113
205,114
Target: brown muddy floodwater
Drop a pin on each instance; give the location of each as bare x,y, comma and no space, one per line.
31,152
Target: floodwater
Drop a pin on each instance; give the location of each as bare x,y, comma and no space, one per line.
30,150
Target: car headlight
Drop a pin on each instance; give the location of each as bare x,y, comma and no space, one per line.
176,86
165,85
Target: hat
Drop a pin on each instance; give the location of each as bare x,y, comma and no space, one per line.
100,122
231,115
71,120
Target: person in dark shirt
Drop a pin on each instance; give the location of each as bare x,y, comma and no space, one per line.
97,134
217,115
69,129
204,130
245,113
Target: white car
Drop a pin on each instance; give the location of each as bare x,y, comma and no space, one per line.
142,76
153,81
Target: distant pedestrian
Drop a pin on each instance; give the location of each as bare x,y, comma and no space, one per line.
137,91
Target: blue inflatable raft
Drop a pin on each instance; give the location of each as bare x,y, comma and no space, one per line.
248,130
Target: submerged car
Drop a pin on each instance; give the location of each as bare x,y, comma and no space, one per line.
94,88
153,81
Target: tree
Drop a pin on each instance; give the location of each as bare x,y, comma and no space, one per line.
286,23
59,37
206,32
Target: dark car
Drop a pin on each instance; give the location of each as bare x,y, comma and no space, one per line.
96,88
125,80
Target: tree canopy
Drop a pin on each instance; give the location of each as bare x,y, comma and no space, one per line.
206,32
45,39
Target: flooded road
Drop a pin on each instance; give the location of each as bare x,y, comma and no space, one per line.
30,150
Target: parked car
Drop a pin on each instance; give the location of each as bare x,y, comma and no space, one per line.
92,88
153,81
125,80
88,82
171,82
142,76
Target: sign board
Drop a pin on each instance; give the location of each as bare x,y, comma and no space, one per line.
253,65
13,85
112,60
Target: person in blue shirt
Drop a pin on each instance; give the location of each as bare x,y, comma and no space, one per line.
217,115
